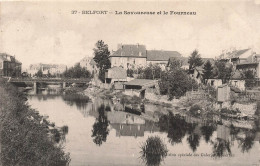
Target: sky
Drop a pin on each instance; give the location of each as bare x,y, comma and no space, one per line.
47,32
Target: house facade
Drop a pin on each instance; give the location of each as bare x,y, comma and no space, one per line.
53,69
129,56
160,57
134,56
9,66
89,64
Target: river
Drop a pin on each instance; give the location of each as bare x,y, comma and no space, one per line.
99,134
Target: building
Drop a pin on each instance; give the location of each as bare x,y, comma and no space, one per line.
134,56
53,69
138,87
89,64
116,76
129,56
223,93
9,66
160,57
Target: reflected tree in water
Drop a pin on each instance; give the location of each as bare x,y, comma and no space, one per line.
193,137
175,126
247,143
100,128
79,100
207,132
221,147
153,151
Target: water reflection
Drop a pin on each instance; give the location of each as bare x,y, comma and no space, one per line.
219,139
100,127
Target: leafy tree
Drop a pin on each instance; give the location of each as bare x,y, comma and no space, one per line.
39,73
194,60
150,72
223,71
174,64
249,76
207,70
102,58
176,82
77,72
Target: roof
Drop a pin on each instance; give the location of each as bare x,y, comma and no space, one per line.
141,82
160,55
138,51
116,73
8,58
235,53
184,60
246,65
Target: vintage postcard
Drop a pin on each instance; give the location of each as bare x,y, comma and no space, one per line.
130,83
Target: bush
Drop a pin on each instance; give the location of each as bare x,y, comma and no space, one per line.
153,151
26,137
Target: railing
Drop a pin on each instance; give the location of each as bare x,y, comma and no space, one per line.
71,80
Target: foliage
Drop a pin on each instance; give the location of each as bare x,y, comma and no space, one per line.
150,72
174,63
194,60
102,58
223,71
249,76
26,137
76,72
130,72
153,151
39,73
207,70
175,83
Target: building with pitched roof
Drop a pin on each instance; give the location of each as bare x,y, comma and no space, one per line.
161,57
134,56
129,56
53,69
9,65
89,64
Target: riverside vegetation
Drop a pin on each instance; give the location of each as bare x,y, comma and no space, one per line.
27,138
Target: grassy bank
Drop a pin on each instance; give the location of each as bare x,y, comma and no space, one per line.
26,136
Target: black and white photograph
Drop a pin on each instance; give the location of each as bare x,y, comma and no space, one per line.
130,83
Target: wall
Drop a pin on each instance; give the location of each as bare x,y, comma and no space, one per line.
238,83
127,62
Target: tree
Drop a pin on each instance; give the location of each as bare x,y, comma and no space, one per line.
223,71
76,72
176,82
150,72
39,73
102,58
194,60
249,76
207,70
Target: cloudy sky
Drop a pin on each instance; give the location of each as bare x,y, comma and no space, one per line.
47,32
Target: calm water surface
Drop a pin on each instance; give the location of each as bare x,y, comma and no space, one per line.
103,132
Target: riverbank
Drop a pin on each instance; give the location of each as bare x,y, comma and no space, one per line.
27,138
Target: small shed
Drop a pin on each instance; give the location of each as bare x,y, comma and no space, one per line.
223,93
115,74
139,86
